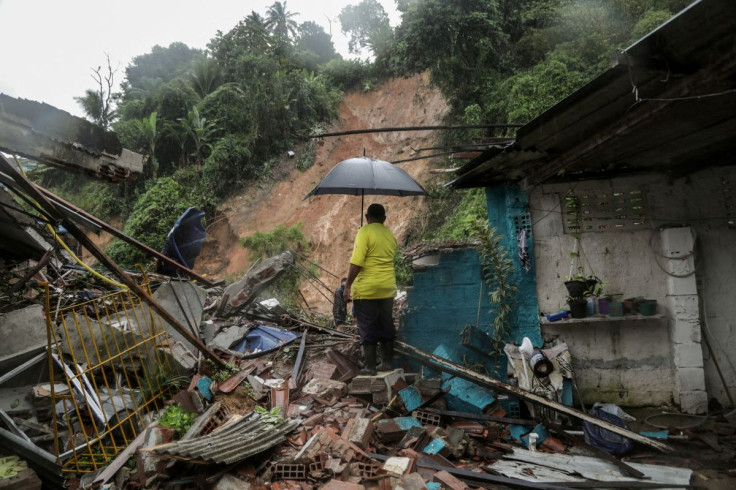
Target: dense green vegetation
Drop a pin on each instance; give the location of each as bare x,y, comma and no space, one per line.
209,122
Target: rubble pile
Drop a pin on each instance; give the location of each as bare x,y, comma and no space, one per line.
282,406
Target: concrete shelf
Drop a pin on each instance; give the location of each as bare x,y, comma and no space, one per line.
601,319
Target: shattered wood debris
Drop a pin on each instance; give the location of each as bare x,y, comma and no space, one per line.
212,388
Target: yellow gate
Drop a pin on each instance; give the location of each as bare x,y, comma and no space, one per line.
113,354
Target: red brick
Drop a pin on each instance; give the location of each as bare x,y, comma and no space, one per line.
342,485
359,431
449,481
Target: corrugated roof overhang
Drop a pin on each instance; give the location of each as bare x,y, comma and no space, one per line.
667,105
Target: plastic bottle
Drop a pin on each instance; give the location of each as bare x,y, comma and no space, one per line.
590,307
553,317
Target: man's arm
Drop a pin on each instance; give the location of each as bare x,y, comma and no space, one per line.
352,274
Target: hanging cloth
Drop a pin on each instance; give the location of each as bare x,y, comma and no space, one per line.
526,261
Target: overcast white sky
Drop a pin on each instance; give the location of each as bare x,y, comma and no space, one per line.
50,46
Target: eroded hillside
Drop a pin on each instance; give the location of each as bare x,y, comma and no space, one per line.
330,222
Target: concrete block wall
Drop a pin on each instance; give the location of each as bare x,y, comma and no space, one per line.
628,262
444,299
626,363
678,251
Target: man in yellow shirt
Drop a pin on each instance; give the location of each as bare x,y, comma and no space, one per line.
372,286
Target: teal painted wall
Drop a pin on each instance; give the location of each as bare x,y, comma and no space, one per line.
508,211
443,301
450,295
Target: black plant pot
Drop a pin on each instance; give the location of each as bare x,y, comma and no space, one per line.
577,308
576,289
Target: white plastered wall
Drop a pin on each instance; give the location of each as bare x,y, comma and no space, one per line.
648,362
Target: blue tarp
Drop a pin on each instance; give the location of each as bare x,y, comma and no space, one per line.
184,241
262,339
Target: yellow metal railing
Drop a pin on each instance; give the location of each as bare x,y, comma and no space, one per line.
114,355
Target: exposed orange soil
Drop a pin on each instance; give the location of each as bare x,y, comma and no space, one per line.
330,222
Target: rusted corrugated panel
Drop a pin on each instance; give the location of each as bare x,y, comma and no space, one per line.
233,442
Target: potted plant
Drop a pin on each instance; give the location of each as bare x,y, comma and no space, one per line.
580,286
577,306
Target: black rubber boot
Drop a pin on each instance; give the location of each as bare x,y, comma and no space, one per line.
369,351
387,356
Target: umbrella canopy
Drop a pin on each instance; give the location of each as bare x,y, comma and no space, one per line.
362,176
365,176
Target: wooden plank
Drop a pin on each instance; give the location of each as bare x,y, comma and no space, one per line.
126,238
33,191
494,384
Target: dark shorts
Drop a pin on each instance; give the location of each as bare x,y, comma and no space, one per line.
375,320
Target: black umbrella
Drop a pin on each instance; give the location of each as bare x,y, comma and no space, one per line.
362,175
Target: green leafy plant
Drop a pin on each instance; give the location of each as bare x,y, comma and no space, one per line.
269,417
226,372
275,241
177,418
498,274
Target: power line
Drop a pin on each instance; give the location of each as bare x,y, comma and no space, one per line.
416,128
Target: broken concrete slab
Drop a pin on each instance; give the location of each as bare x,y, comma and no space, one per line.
225,338
23,329
185,301
322,387
231,482
240,294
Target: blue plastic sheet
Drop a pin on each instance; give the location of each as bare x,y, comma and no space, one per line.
184,241
262,339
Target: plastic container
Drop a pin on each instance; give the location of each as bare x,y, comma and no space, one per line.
590,307
648,307
578,308
541,366
603,306
615,308
553,317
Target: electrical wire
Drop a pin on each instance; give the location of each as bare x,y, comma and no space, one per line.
679,257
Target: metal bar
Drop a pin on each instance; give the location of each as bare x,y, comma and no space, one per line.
480,416
17,370
34,192
425,157
43,462
11,425
126,238
320,328
299,357
417,128
493,384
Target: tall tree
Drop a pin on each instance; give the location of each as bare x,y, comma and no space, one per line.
462,42
161,65
313,38
279,20
368,26
98,104
206,76
200,132
150,135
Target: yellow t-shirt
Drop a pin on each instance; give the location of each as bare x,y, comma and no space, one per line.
374,251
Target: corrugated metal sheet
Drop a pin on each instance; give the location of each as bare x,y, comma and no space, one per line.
667,105
232,442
